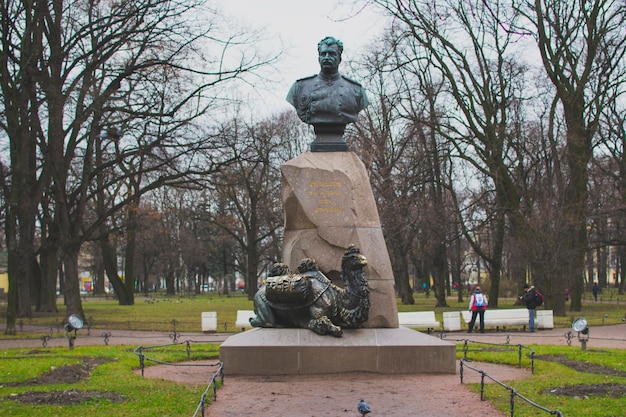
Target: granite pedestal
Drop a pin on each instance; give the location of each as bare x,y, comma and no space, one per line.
329,205
300,351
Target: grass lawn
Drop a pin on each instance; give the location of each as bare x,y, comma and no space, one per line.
588,383
153,313
158,312
110,389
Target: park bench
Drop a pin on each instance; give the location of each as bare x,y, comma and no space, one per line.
418,320
545,319
209,321
451,321
501,318
243,319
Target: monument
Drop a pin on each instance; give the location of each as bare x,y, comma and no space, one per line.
329,206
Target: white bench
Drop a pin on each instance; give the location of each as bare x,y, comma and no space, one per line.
209,321
451,321
418,320
545,319
501,318
243,319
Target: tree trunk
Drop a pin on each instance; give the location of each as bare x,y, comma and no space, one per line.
601,261
109,261
25,249
12,297
577,247
49,261
98,274
72,287
170,283
440,273
455,261
25,278
400,268
252,257
131,242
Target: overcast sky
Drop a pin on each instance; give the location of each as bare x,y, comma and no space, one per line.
298,25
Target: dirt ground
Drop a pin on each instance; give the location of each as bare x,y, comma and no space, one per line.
426,395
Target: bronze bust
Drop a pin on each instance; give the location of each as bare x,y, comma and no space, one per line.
328,100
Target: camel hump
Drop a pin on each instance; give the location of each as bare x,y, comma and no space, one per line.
288,289
289,292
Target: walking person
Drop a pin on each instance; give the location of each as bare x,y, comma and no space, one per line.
477,305
533,299
595,290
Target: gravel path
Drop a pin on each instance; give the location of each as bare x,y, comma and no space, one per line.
424,395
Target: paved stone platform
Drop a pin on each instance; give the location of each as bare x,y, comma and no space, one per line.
302,352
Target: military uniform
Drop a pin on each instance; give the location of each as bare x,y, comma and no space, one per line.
320,99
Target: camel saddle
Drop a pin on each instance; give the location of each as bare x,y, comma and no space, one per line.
287,292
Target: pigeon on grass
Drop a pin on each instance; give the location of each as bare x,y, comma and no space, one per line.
363,407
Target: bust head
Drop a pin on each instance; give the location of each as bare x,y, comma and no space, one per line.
329,52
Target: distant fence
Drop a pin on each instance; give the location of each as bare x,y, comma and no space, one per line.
188,325
54,332
519,350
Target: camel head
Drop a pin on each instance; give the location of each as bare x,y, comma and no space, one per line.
353,259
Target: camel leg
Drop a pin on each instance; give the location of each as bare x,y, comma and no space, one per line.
323,325
264,314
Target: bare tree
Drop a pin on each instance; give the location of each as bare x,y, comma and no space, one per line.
22,183
464,46
612,164
247,196
384,141
80,68
581,45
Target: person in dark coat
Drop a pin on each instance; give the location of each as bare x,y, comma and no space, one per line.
530,299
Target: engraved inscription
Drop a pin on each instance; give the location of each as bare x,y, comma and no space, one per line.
325,184
325,191
327,210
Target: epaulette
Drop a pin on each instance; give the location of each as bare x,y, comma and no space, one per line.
307,78
351,80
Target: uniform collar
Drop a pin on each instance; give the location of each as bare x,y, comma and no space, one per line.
330,78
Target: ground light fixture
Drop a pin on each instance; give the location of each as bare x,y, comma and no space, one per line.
582,328
74,322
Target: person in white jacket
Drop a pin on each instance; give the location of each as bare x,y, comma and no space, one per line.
477,305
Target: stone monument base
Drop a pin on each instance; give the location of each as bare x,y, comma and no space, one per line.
300,351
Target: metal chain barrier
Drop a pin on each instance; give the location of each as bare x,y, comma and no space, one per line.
212,386
520,350
512,391
106,336
175,334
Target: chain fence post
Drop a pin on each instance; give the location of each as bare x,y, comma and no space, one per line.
512,402
482,385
